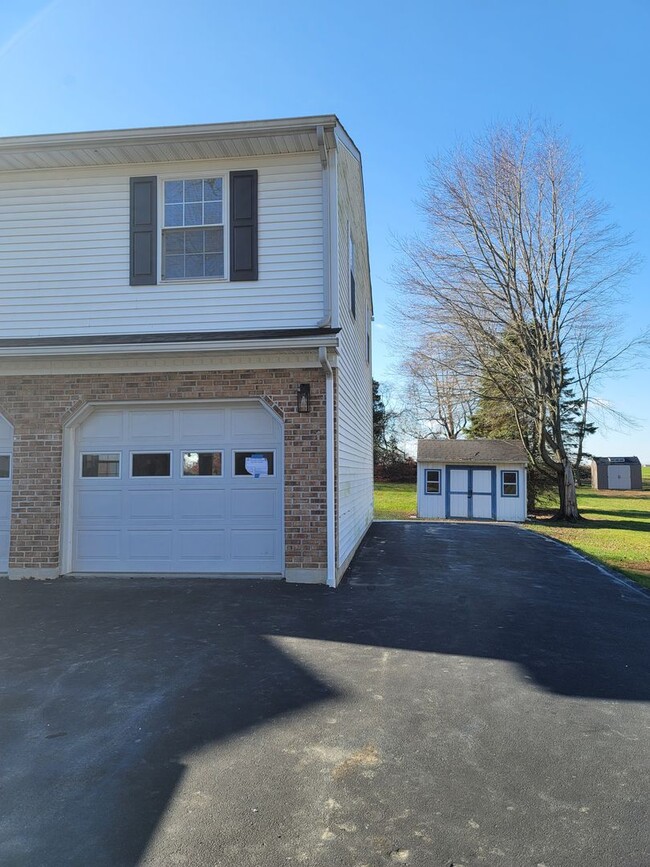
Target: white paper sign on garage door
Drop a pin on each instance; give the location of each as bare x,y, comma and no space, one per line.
6,447
170,490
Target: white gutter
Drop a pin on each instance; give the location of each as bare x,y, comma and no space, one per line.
185,346
329,464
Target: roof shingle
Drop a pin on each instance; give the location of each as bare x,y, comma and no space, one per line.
472,451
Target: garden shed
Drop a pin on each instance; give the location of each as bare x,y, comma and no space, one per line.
616,474
472,479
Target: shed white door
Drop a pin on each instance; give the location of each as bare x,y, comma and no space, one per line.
459,493
6,448
619,477
471,493
179,490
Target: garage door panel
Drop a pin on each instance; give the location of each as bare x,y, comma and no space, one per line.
251,423
103,426
149,544
253,545
202,504
153,503
181,523
5,504
97,544
255,503
98,504
151,424
210,424
208,544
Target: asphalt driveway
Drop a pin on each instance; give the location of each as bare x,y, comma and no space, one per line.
473,694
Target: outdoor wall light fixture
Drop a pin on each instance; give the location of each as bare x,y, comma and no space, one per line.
304,397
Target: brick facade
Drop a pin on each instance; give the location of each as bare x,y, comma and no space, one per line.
39,406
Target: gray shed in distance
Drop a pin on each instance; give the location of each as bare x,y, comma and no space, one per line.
616,474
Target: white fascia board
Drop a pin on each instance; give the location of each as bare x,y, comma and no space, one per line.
163,134
191,346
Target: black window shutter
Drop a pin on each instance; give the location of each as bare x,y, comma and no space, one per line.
144,232
243,225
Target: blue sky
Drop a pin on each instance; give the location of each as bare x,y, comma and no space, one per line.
407,80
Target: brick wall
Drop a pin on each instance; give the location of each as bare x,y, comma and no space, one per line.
39,406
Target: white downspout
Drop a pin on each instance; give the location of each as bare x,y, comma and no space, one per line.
329,464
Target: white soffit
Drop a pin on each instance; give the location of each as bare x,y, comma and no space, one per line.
166,144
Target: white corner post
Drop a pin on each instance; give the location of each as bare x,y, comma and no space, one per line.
329,464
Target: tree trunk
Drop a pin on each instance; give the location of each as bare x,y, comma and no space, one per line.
567,490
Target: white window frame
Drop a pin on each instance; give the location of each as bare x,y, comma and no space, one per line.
152,452
201,451
253,450
503,483
81,464
193,176
428,470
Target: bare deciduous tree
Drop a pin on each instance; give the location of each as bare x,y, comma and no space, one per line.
438,401
518,260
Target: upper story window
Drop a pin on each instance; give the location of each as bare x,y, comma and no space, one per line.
352,271
193,229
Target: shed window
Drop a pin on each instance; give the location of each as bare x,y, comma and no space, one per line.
5,466
509,483
193,229
432,481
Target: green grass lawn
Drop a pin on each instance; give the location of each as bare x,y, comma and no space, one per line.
616,529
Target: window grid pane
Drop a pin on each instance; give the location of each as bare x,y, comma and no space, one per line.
433,481
191,253
510,483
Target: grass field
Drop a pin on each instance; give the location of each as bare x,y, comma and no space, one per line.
616,529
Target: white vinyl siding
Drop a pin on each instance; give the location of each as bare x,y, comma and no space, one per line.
512,508
64,254
354,379
431,505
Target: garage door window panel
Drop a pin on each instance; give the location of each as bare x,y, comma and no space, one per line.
101,465
151,464
202,464
5,466
254,464
509,483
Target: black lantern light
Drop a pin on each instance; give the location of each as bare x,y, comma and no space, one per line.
304,397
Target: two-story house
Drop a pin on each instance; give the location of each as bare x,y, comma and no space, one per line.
185,350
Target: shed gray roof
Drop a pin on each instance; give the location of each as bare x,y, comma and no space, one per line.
628,460
472,451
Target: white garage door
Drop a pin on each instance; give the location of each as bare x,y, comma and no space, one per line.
6,446
166,489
